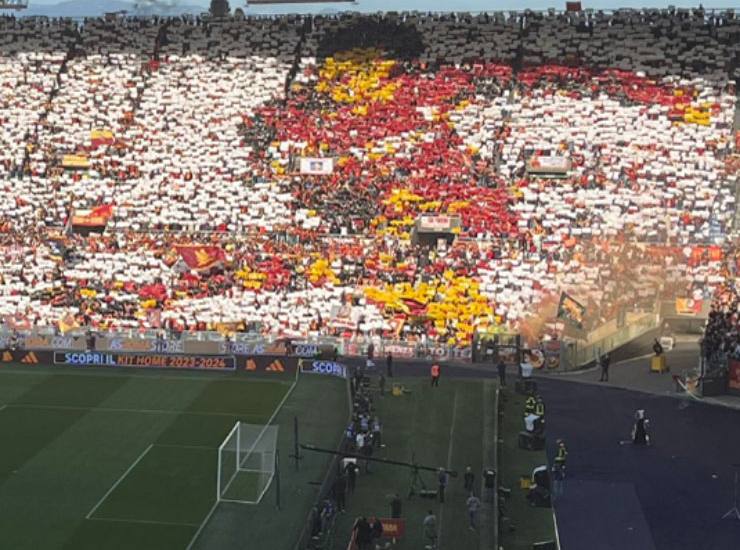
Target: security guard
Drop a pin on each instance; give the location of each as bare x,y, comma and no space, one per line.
561,455
529,405
539,408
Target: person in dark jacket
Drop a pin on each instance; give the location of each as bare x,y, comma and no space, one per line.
363,534
468,479
376,528
389,364
604,361
501,366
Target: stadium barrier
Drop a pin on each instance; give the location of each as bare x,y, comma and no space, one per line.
215,343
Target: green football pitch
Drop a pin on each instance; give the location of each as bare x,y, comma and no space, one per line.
98,458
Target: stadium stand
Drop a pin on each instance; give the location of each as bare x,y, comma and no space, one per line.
576,156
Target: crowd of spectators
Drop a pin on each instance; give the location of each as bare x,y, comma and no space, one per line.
192,132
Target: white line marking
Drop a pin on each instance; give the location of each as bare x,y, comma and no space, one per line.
120,479
104,372
3,407
488,447
271,419
557,533
145,521
449,460
178,446
124,410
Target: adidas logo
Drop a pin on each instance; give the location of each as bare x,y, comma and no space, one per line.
7,357
30,358
275,366
251,365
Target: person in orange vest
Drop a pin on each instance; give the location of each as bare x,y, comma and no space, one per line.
435,374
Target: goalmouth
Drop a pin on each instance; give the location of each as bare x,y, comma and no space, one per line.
246,463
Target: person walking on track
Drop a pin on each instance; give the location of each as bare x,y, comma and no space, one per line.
436,371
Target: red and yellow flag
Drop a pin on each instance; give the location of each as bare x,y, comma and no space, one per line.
67,323
200,257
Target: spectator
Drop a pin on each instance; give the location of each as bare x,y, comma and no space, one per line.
443,479
473,505
430,529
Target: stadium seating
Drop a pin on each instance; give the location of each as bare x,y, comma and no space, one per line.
193,132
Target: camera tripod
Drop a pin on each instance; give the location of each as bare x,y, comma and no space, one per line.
734,512
416,482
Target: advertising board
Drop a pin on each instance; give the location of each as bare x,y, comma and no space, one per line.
323,367
145,360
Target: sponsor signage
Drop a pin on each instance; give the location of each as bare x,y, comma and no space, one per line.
140,345
145,360
400,350
47,342
305,349
393,528
323,367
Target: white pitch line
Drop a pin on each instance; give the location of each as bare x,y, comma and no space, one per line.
489,440
124,410
3,407
120,479
144,521
178,446
107,372
274,415
449,460
557,533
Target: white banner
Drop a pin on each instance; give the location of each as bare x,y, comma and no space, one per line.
552,164
438,223
317,166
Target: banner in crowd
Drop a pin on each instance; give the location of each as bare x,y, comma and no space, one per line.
570,310
437,223
734,375
91,221
200,257
67,323
75,162
317,166
688,306
551,349
100,137
553,165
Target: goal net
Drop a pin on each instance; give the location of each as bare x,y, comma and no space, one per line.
246,463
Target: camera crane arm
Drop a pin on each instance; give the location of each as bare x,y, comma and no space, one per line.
309,447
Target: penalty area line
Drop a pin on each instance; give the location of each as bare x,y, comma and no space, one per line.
118,482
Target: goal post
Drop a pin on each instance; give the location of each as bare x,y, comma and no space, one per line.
246,463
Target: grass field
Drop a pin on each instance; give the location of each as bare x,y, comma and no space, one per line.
530,524
449,426
97,458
